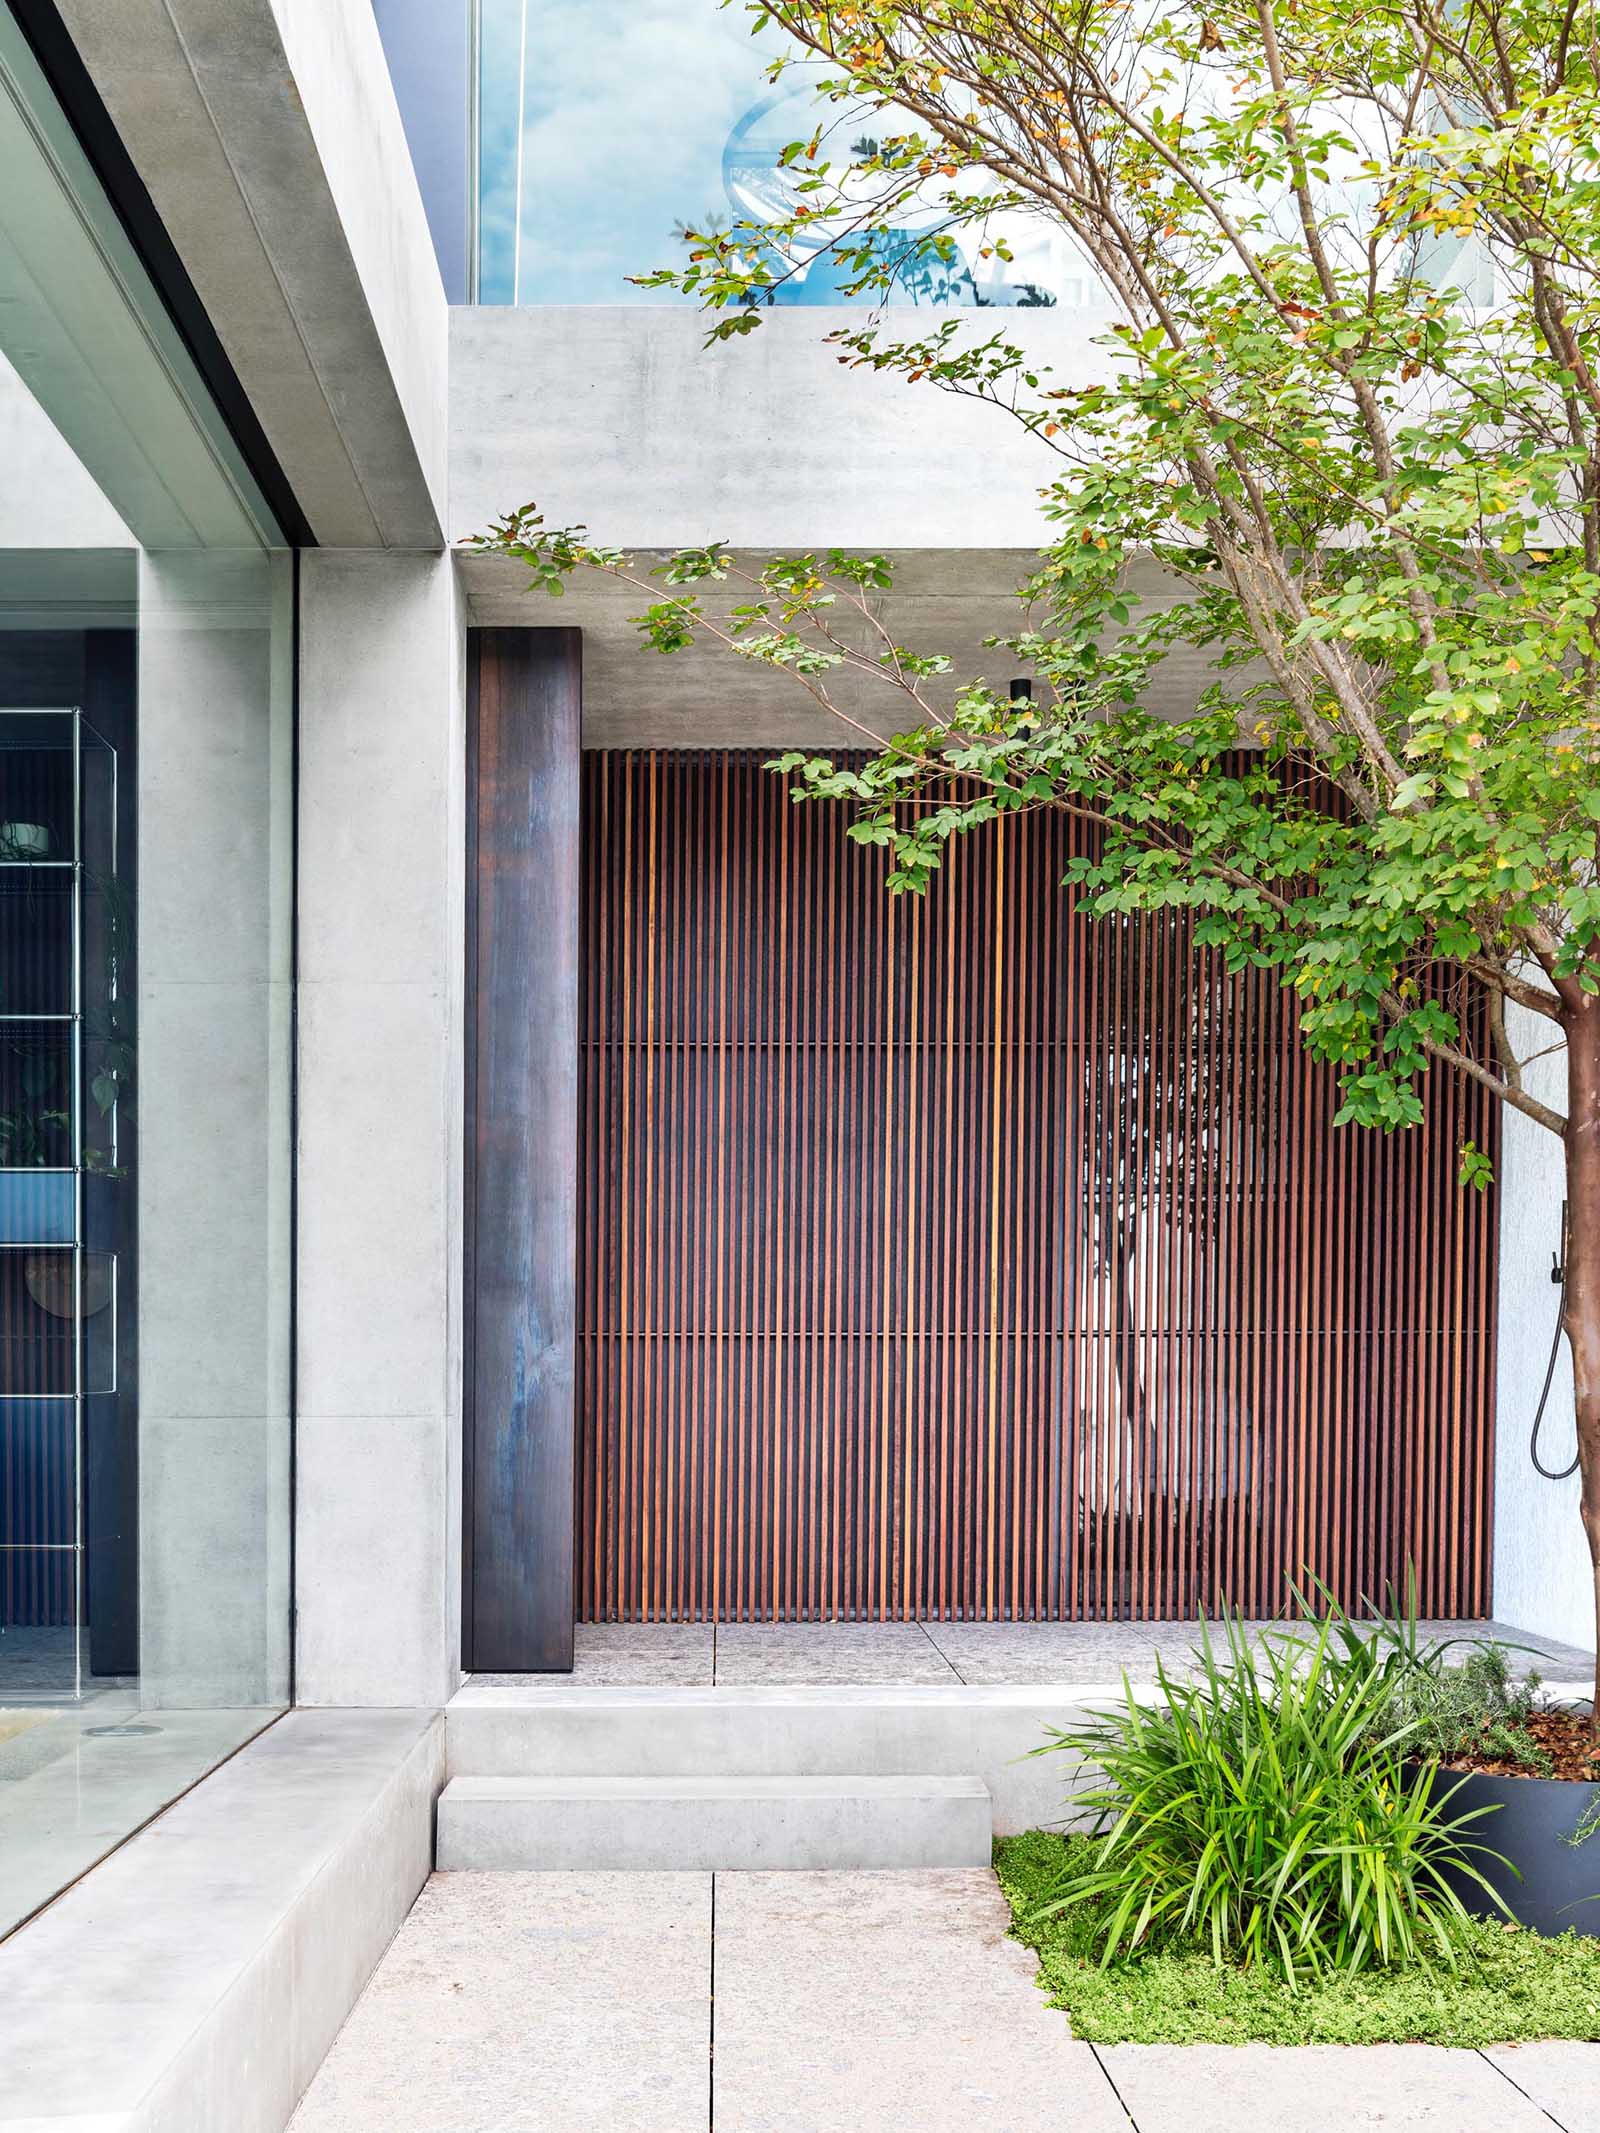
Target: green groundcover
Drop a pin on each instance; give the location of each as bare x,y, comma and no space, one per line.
1507,1986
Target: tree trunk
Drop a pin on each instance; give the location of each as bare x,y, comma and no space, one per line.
1581,1315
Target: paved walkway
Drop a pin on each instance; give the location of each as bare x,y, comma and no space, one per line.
686,1655
829,2003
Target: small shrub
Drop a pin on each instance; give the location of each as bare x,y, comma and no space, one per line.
1474,1709
1270,1811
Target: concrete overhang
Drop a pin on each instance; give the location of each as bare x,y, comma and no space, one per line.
624,421
267,135
945,600
621,419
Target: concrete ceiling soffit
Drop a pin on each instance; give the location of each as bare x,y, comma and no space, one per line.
945,600
222,119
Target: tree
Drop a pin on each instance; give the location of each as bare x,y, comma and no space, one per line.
1350,405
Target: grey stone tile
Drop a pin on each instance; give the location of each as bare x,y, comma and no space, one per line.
1556,1662
1563,2078
867,2001
1320,2088
908,1654
626,1655
532,2003
1081,1653
827,1654
992,1654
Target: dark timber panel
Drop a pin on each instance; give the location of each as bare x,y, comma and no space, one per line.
966,1256
521,1217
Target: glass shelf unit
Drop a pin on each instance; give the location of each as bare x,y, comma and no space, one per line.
59,1005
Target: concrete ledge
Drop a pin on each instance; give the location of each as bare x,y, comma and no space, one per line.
712,1824
196,1979
989,1733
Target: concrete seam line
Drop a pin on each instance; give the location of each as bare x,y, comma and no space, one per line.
942,1653
1521,2091
1111,2084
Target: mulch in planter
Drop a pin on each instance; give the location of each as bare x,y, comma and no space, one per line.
1566,1736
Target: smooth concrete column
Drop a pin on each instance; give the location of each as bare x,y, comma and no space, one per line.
522,1135
211,1093
382,841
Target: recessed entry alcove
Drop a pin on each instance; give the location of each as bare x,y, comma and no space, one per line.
948,1258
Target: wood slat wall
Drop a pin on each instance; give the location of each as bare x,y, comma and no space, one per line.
967,1257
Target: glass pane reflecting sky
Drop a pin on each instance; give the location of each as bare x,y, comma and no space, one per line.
637,116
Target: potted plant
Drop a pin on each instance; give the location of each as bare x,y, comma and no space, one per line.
1524,1771
1269,1808
1300,1785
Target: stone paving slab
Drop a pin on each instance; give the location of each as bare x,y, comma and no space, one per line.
995,1653
1320,2088
531,2003
888,2003
608,1655
988,1654
1562,2077
831,2003
794,1654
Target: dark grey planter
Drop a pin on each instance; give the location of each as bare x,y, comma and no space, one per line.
1531,1820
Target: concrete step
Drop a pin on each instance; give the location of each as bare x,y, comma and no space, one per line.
712,1823
550,1731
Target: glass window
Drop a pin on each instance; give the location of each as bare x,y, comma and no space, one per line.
427,44
145,966
605,126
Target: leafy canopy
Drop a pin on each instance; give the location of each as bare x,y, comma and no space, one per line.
1340,436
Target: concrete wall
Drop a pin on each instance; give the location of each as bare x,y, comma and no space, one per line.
943,601
86,336
620,418
382,855
1541,1559
268,135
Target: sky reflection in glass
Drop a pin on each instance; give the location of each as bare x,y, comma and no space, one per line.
638,116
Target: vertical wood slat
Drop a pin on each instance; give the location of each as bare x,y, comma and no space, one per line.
523,1129
972,1258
